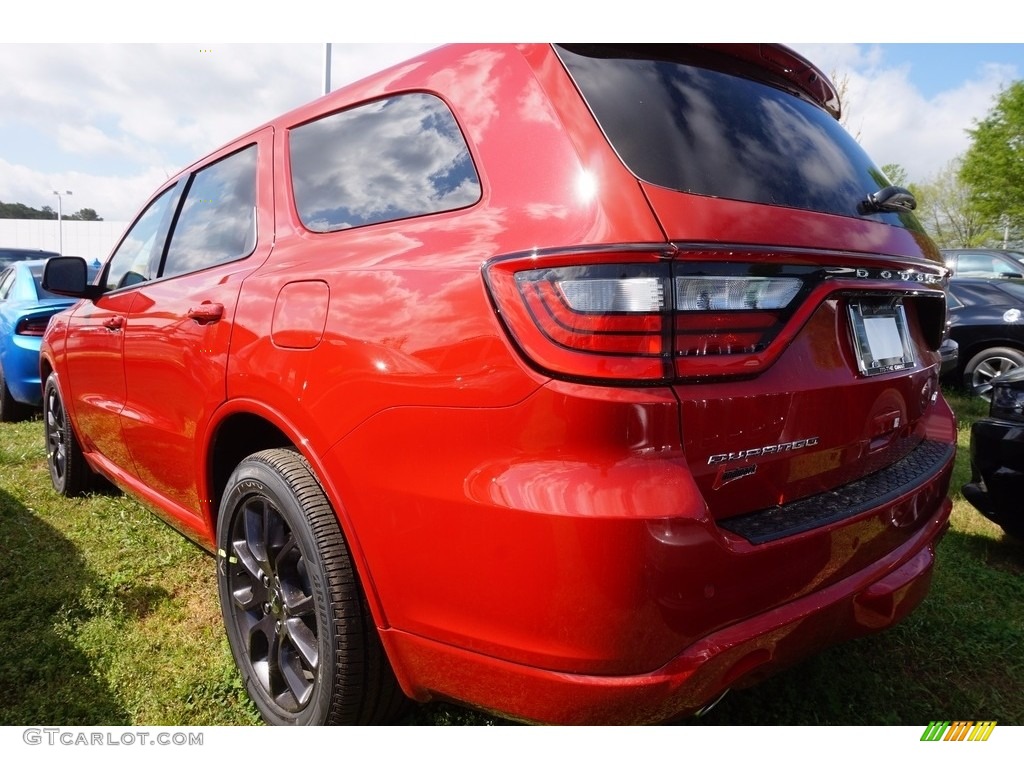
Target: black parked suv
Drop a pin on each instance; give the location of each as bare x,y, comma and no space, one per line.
997,456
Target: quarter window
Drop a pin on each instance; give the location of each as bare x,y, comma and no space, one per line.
391,159
137,258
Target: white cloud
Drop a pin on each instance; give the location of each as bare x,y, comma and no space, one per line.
112,121
146,111
894,121
115,198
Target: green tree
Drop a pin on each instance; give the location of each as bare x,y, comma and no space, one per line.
896,174
993,168
22,211
946,212
841,82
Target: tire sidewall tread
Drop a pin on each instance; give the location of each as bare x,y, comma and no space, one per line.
353,676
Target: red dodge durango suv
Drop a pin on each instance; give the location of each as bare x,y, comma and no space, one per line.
575,383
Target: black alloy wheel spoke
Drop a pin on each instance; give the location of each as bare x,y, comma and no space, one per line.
262,644
297,676
254,519
54,434
303,639
297,604
240,550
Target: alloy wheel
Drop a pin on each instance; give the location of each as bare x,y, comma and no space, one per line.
274,610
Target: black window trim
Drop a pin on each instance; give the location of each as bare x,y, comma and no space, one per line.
169,221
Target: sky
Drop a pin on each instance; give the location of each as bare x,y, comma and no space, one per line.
111,120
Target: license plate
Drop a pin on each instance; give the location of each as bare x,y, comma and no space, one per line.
880,338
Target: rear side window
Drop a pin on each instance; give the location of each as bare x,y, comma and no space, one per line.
983,264
685,126
391,159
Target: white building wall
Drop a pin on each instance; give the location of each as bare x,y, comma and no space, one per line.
88,239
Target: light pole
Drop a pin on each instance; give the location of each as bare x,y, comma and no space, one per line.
327,69
60,222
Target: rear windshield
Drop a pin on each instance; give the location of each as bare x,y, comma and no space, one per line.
36,270
710,132
10,255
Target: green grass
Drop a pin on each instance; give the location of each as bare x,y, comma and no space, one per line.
110,618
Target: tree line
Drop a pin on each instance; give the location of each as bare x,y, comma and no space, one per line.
22,211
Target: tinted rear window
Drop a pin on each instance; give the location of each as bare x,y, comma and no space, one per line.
10,255
37,277
711,132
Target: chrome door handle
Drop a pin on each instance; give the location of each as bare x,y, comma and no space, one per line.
206,313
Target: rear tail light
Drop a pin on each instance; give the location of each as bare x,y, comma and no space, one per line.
728,315
735,293
32,326
604,321
641,316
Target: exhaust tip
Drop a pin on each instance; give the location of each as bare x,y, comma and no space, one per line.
711,705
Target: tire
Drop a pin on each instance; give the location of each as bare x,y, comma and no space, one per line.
986,365
10,409
297,621
69,472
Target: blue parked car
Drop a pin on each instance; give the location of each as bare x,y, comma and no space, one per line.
25,309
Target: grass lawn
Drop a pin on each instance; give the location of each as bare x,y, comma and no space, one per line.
111,618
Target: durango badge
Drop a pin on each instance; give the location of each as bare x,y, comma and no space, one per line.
767,450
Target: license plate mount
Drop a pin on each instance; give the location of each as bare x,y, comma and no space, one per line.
881,341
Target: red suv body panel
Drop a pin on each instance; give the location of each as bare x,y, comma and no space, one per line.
551,546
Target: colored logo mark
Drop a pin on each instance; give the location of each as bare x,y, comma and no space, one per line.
958,730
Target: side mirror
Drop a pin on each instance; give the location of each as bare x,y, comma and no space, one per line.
69,276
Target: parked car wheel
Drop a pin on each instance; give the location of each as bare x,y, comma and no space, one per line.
69,472
10,409
298,624
986,365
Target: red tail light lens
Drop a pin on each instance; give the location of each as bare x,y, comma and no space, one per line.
598,321
32,326
608,311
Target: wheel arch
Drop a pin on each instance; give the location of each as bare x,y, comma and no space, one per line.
241,428
45,369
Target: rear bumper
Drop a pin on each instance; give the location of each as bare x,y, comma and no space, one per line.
21,369
735,656
949,354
